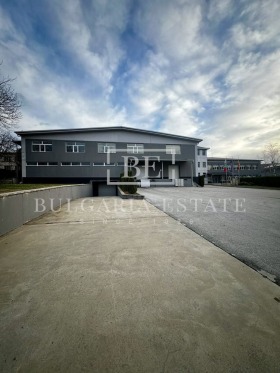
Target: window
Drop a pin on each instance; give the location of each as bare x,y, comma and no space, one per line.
75,147
41,163
248,167
103,164
203,152
255,167
198,164
106,148
173,149
7,158
204,164
42,146
135,148
98,164
75,164
198,152
242,167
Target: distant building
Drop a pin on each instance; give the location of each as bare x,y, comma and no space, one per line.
222,170
270,170
202,162
8,161
9,165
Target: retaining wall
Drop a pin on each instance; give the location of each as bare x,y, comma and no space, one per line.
17,208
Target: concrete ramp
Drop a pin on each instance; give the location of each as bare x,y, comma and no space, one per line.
112,285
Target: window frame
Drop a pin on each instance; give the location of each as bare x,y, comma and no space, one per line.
135,148
169,149
42,146
103,164
108,147
76,164
76,146
45,164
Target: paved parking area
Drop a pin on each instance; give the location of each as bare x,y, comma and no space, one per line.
111,285
244,222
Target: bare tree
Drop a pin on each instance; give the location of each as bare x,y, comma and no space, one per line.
9,104
271,155
7,142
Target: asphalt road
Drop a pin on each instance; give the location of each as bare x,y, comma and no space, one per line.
244,222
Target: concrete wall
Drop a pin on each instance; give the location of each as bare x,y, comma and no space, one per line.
18,208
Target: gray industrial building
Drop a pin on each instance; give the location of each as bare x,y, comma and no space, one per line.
222,170
88,154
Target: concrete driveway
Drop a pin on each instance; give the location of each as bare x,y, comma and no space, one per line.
110,285
244,222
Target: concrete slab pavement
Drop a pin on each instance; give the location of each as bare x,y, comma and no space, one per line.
111,285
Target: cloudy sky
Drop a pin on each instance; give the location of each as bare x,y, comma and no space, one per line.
202,68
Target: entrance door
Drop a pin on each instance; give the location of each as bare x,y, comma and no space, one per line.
173,171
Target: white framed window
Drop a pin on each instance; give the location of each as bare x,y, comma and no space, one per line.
102,164
242,167
198,164
75,147
106,147
203,152
173,149
135,148
255,167
75,164
204,164
248,167
41,146
41,163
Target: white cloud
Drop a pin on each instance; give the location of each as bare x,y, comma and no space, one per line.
219,10
171,28
93,38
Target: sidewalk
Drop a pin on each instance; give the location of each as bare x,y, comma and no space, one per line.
111,285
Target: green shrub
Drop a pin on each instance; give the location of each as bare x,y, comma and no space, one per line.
129,189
